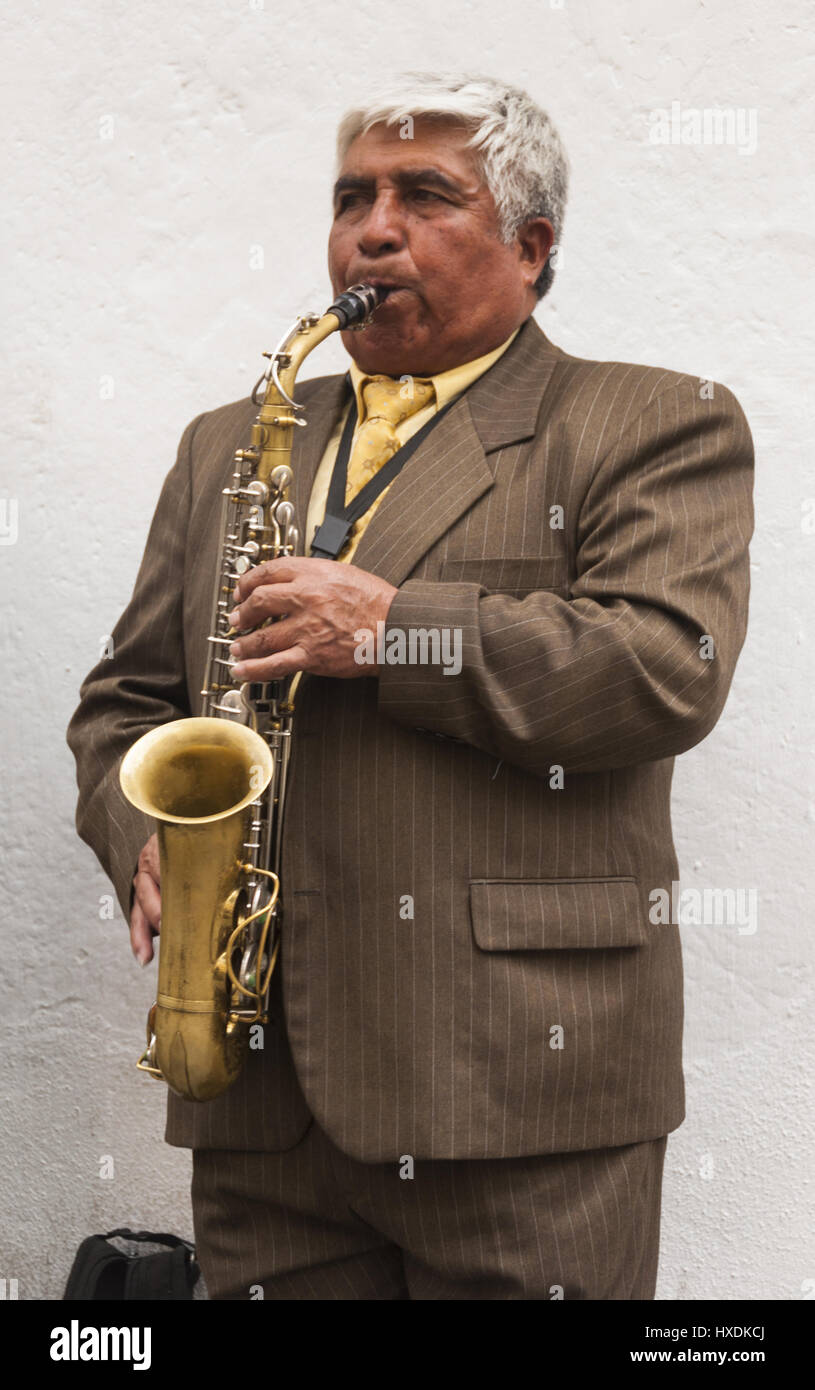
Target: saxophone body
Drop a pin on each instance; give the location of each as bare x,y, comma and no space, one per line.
216,784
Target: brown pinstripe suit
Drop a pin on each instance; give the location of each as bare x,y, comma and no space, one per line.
433,1036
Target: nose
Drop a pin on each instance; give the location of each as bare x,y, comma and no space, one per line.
381,230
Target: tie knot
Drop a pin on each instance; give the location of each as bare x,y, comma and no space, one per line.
393,399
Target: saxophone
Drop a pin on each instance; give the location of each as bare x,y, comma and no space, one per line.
216,785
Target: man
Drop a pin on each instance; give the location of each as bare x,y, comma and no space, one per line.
474,1056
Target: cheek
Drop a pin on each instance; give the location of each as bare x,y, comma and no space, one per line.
457,246
434,254
337,246
459,261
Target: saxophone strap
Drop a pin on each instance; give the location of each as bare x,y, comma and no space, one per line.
330,537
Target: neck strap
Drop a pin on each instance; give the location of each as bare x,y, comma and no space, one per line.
330,537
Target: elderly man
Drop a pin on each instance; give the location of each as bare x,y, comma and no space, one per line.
474,1055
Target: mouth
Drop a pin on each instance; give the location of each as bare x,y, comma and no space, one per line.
389,289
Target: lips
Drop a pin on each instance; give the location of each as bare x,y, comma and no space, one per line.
387,287
391,292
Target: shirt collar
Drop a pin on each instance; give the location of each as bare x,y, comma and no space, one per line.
448,384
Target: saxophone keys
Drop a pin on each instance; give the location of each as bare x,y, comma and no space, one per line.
281,477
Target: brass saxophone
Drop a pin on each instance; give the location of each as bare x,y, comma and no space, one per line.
216,785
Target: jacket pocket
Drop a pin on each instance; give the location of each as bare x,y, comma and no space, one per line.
556,914
509,574
570,1025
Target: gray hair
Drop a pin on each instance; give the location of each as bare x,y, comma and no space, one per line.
517,146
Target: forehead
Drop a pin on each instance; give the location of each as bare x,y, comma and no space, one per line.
441,144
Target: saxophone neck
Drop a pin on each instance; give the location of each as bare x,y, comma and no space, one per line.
279,414
351,309
288,357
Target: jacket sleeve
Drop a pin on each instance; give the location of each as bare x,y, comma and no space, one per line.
142,684
636,663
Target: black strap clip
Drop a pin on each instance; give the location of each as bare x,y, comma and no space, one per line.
330,537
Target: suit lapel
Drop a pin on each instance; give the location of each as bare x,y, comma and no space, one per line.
506,401
445,476
455,465
450,470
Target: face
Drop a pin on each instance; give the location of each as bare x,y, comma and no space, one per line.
417,215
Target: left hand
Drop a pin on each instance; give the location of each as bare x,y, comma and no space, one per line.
323,602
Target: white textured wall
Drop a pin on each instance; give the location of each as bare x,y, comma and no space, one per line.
130,264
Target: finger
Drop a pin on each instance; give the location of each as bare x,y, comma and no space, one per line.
285,570
141,936
148,896
150,859
272,668
264,602
280,571
266,641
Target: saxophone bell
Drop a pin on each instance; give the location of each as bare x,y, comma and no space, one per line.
197,778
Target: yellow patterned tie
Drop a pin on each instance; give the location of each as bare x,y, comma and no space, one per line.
388,401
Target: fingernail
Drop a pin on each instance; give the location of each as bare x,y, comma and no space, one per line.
142,958
233,616
238,670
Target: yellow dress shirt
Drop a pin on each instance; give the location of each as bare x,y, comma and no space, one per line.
448,385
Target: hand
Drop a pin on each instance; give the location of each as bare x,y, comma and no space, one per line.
145,915
320,604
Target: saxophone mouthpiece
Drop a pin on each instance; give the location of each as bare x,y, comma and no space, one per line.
355,305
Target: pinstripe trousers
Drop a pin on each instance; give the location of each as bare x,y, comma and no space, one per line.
314,1223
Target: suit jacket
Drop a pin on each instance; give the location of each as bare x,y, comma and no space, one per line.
469,967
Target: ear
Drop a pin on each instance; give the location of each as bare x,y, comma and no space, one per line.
534,239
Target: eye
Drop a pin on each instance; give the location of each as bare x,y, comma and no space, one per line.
347,200
425,194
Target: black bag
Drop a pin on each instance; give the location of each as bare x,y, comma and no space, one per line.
101,1271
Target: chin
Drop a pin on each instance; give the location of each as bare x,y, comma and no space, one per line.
380,351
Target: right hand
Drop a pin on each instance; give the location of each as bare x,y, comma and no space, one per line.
145,915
